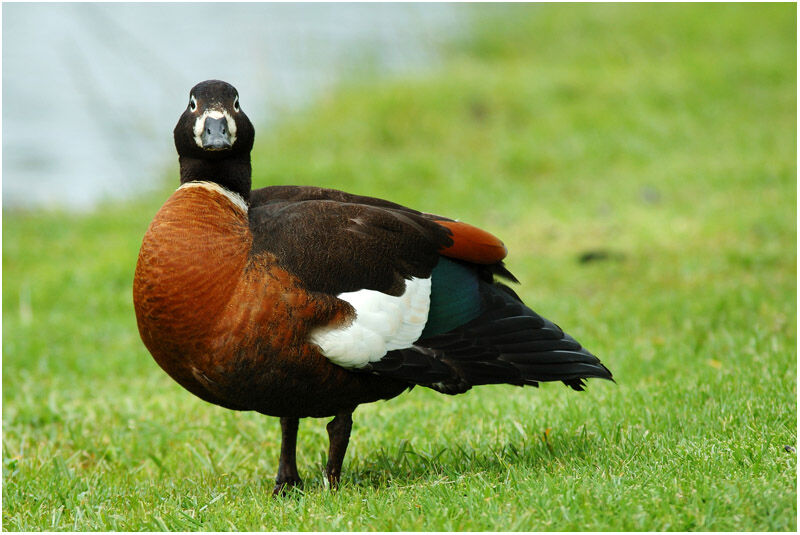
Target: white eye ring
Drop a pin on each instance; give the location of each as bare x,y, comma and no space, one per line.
236,103
192,103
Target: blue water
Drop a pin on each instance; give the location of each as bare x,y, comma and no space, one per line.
91,92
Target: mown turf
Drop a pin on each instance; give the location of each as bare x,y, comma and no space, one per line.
655,143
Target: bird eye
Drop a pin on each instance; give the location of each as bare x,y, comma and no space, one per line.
236,103
193,103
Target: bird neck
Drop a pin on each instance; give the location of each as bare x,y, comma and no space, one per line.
233,174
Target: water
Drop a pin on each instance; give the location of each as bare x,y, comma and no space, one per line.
91,92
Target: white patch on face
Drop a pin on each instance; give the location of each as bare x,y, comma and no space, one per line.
232,196
200,123
382,323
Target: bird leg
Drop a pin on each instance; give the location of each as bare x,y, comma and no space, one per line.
339,436
287,466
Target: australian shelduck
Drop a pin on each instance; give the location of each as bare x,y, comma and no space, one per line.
307,302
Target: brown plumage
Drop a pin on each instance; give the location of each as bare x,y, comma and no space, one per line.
232,327
306,302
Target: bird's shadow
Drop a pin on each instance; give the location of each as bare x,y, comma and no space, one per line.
444,462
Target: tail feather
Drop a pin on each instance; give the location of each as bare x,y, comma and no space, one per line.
561,372
511,343
497,322
538,345
506,343
488,373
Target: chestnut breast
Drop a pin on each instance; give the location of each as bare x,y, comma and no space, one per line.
230,327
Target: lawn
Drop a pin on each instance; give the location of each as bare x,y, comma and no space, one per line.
639,161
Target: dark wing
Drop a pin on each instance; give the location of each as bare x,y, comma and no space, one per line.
460,240
312,193
335,246
478,332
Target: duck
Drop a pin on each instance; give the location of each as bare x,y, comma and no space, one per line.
306,302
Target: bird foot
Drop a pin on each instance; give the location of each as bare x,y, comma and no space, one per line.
333,481
283,487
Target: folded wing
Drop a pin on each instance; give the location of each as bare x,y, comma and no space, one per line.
428,308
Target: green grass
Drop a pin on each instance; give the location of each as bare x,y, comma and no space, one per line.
662,135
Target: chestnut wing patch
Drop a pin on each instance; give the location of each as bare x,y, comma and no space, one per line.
472,244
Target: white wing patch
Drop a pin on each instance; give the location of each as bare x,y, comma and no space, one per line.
382,323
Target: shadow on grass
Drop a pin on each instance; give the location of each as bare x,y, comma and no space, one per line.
444,462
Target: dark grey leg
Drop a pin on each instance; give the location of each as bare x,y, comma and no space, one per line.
339,435
287,466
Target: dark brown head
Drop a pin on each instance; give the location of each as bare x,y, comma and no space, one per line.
214,137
